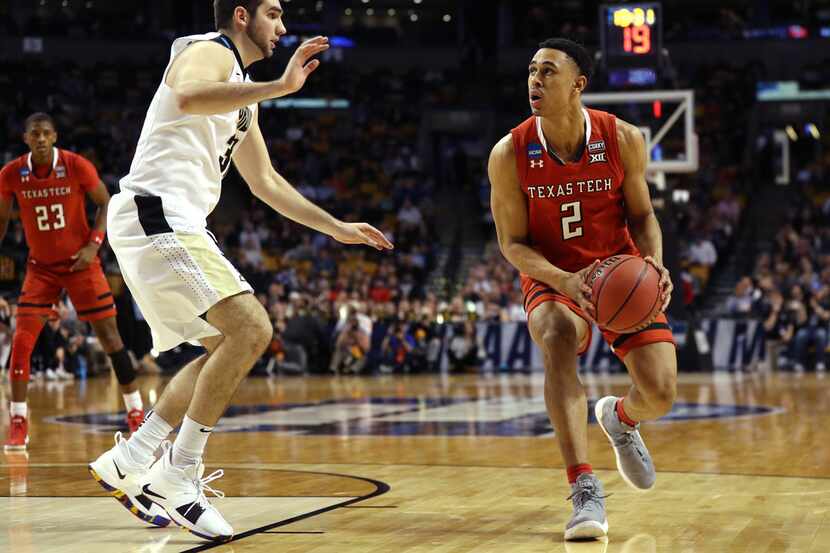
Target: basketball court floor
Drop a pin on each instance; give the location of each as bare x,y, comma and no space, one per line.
441,465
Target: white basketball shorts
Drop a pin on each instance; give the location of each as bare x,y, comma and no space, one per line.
175,277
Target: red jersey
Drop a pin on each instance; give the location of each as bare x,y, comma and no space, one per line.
52,208
576,210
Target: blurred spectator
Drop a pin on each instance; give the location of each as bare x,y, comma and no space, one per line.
740,303
778,327
351,347
396,349
702,257
463,348
807,331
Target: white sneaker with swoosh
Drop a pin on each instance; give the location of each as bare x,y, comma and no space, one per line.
117,473
181,492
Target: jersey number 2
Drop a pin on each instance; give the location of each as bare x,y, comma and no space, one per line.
42,213
570,223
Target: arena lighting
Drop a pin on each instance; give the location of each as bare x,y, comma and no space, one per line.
370,11
335,41
791,133
778,91
417,1
391,12
812,130
680,196
447,18
306,103
348,11
797,31
413,17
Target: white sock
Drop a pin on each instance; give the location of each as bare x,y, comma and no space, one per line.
18,408
190,443
133,401
144,441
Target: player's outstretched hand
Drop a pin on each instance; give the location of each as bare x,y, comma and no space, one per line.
575,286
84,257
665,284
299,67
361,233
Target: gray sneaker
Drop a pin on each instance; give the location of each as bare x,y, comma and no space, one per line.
588,520
633,460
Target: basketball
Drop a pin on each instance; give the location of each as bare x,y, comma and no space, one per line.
626,293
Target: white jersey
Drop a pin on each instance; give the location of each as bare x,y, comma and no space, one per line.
182,158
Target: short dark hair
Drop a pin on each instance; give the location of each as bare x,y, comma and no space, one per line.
223,10
38,117
575,51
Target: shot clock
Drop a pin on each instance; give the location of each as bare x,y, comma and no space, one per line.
631,40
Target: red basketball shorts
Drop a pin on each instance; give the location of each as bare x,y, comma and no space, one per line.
88,289
536,293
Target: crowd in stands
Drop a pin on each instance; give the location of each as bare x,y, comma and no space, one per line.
789,289
348,308
361,164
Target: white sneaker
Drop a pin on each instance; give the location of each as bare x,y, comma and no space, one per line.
51,375
182,494
117,473
63,374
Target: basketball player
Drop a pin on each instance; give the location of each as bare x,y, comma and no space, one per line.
203,115
568,189
51,186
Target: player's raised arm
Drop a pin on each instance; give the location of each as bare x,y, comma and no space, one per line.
199,78
254,164
509,206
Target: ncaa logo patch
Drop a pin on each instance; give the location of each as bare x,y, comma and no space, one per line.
534,151
596,146
596,158
534,154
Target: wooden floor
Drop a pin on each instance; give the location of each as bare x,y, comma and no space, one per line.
443,465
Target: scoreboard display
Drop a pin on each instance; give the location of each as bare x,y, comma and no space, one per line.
631,34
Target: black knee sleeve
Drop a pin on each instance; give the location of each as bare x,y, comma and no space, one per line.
123,366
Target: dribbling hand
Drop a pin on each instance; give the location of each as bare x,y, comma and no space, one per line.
299,67
361,233
575,287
